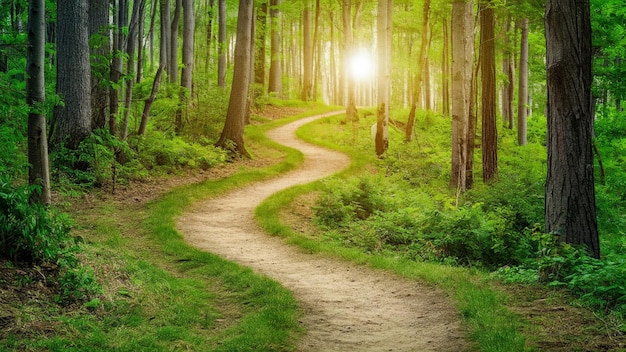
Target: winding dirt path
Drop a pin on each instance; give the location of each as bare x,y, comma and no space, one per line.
346,307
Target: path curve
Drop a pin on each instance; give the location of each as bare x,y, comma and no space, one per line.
347,307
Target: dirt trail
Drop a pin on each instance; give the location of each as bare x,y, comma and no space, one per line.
346,307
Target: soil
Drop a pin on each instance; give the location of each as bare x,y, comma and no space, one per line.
347,307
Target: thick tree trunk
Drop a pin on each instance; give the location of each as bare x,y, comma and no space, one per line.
570,194
39,171
488,96
275,83
231,138
522,100
73,119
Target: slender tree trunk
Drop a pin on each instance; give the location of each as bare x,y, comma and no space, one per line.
307,77
188,46
172,64
153,13
131,44
73,118
488,94
420,72
38,171
99,34
260,35
165,40
522,100
140,40
231,138
209,34
570,209
351,111
221,44
508,69
145,116
445,72
384,29
120,14
275,78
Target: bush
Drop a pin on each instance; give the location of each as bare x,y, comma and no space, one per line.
30,233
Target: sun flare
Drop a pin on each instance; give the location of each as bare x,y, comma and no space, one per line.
361,65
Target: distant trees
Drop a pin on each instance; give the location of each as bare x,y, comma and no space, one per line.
570,209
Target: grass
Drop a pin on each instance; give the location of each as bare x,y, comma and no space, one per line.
160,294
492,327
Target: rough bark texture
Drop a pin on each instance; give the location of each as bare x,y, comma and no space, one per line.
275,84
232,134
73,119
39,172
488,96
570,195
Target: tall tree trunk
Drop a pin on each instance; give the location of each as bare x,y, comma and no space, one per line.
462,58
153,13
140,46
145,116
570,195
445,71
38,171
165,41
120,15
307,76
351,112
488,96
317,44
231,138
131,44
172,63
260,35
73,118
421,69
384,28
221,44
99,34
275,78
522,100
209,34
508,69
188,62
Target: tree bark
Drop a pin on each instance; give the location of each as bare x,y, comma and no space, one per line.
522,100
570,209
39,171
172,49
488,96
231,138
307,71
145,116
221,44
384,28
421,69
275,78
131,45
99,34
73,119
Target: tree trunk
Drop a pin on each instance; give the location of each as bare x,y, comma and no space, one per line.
522,100
260,34
307,71
172,63
165,41
570,195
73,119
99,34
38,171
150,100
351,112
221,44
508,69
462,58
488,96
140,47
131,44
188,46
384,28
231,138
445,72
120,14
275,83
421,69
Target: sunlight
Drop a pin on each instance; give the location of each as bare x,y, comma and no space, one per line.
361,66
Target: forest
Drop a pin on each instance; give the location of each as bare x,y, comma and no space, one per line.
461,185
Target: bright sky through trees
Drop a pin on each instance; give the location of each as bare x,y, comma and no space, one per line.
362,65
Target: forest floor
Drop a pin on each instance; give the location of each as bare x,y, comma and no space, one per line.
346,306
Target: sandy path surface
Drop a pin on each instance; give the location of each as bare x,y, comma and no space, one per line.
346,307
